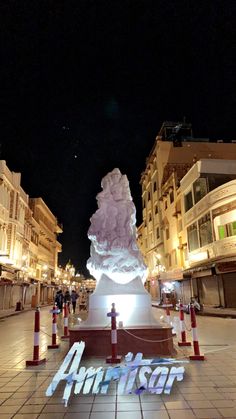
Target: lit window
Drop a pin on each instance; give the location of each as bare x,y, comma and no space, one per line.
227,230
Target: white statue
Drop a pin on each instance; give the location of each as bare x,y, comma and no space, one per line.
114,251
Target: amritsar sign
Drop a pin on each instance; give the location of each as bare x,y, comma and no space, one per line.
153,375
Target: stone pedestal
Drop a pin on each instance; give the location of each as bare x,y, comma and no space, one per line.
137,329
138,339
132,302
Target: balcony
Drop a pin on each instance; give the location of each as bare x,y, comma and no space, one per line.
215,251
219,196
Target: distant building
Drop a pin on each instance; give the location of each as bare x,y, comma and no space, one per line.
183,236
48,246
28,244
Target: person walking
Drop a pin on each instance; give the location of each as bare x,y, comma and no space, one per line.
74,297
67,299
59,299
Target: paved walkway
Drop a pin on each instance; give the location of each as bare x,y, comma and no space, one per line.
12,312
208,389
210,311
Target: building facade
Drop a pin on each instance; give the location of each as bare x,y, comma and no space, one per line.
169,227
28,245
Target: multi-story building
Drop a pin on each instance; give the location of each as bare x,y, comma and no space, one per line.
48,247
164,233
28,243
208,209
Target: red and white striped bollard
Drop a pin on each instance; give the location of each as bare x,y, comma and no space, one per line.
114,358
196,356
54,312
66,332
182,327
36,360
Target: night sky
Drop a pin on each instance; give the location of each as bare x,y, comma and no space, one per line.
86,85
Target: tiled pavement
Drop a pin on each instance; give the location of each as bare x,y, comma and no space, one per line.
208,389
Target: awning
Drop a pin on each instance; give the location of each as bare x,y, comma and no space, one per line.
5,281
225,267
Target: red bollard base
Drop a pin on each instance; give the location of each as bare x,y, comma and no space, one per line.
65,337
35,362
110,360
184,344
197,357
53,346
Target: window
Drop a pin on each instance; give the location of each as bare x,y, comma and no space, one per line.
171,197
150,217
158,233
217,179
144,204
222,232
199,189
165,204
205,230
149,196
188,201
156,209
231,229
193,242
154,187
227,230
11,203
167,233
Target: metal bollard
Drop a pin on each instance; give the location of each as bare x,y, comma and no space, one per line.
182,327
114,358
66,331
36,360
54,312
196,356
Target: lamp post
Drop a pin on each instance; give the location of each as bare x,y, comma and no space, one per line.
45,276
159,269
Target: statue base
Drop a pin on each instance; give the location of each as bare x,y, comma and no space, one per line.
137,329
132,302
151,341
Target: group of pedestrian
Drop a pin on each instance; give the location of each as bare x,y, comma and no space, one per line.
66,298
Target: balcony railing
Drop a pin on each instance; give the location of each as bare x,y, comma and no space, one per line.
213,198
214,251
